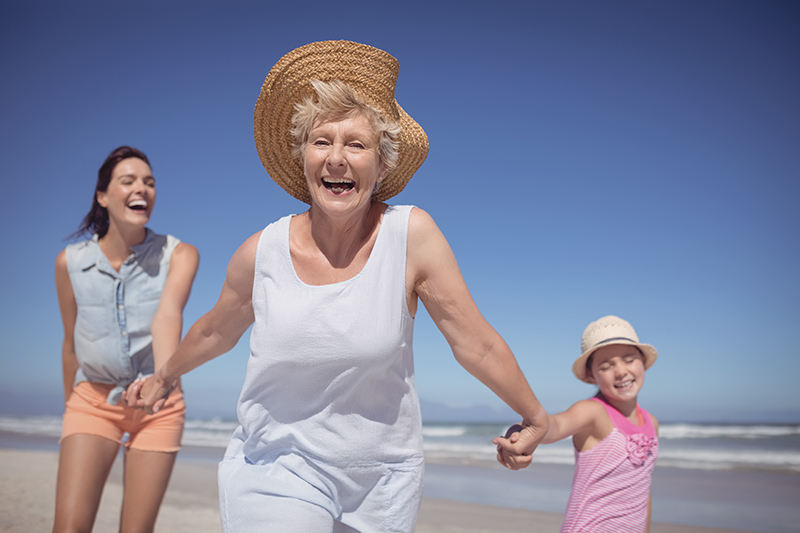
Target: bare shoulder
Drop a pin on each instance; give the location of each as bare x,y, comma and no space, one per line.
247,251
589,409
421,225
424,236
419,219
61,261
242,266
62,272
597,424
591,405
187,252
655,421
185,255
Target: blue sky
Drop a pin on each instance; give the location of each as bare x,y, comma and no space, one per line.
587,158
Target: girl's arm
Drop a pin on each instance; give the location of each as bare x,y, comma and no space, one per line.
435,278
69,313
213,334
168,321
579,418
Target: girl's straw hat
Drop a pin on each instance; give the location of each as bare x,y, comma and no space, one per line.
609,330
372,73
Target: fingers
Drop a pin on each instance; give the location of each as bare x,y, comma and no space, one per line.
156,407
510,451
518,462
132,396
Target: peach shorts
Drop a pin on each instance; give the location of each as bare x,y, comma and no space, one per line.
87,412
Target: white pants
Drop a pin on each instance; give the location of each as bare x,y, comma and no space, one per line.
293,494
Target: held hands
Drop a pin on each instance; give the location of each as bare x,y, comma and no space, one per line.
515,449
149,394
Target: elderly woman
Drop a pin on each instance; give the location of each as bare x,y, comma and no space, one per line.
330,436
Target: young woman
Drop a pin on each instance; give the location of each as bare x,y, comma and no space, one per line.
121,295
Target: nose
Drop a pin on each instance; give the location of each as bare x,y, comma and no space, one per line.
139,186
336,155
620,371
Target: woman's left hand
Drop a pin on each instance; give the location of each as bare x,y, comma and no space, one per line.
131,397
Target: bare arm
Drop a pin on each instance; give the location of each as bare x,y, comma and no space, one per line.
214,333
168,321
435,278
69,314
581,417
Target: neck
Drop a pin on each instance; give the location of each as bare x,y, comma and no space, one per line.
627,407
117,244
340,238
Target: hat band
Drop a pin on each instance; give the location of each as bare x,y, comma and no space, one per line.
614,339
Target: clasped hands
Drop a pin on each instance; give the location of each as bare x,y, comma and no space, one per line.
514,451
148,393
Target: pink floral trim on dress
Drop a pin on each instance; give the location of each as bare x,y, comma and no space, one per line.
639,447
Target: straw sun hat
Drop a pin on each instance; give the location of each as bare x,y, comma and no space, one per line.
609,330
372,73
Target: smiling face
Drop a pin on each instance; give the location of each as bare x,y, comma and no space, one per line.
618,369
131,193
342,164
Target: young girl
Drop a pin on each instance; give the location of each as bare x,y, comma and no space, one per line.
121,295
616,441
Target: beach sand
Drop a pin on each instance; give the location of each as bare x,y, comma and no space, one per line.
27,495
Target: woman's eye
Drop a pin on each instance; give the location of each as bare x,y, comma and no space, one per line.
357,145
320,143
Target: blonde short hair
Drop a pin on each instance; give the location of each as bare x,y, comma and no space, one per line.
337,101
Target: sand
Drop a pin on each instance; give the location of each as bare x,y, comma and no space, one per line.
27,496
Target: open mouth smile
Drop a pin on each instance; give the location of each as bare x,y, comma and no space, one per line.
624,385
140,206
338,185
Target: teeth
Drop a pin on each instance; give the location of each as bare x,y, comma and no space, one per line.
338,185
137,203
623,385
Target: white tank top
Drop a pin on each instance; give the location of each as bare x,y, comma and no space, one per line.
331,372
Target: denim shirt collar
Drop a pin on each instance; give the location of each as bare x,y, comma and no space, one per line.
99,260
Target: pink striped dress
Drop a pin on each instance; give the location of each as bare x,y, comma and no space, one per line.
611,484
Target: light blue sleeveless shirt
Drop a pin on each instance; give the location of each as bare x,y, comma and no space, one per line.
116,309
331,370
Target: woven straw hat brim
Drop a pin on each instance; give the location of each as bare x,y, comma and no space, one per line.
371,72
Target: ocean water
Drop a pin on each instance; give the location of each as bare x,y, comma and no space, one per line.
686,446
735,476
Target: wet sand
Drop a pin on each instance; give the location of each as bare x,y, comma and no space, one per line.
27,495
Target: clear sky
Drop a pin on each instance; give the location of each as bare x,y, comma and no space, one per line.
587,158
